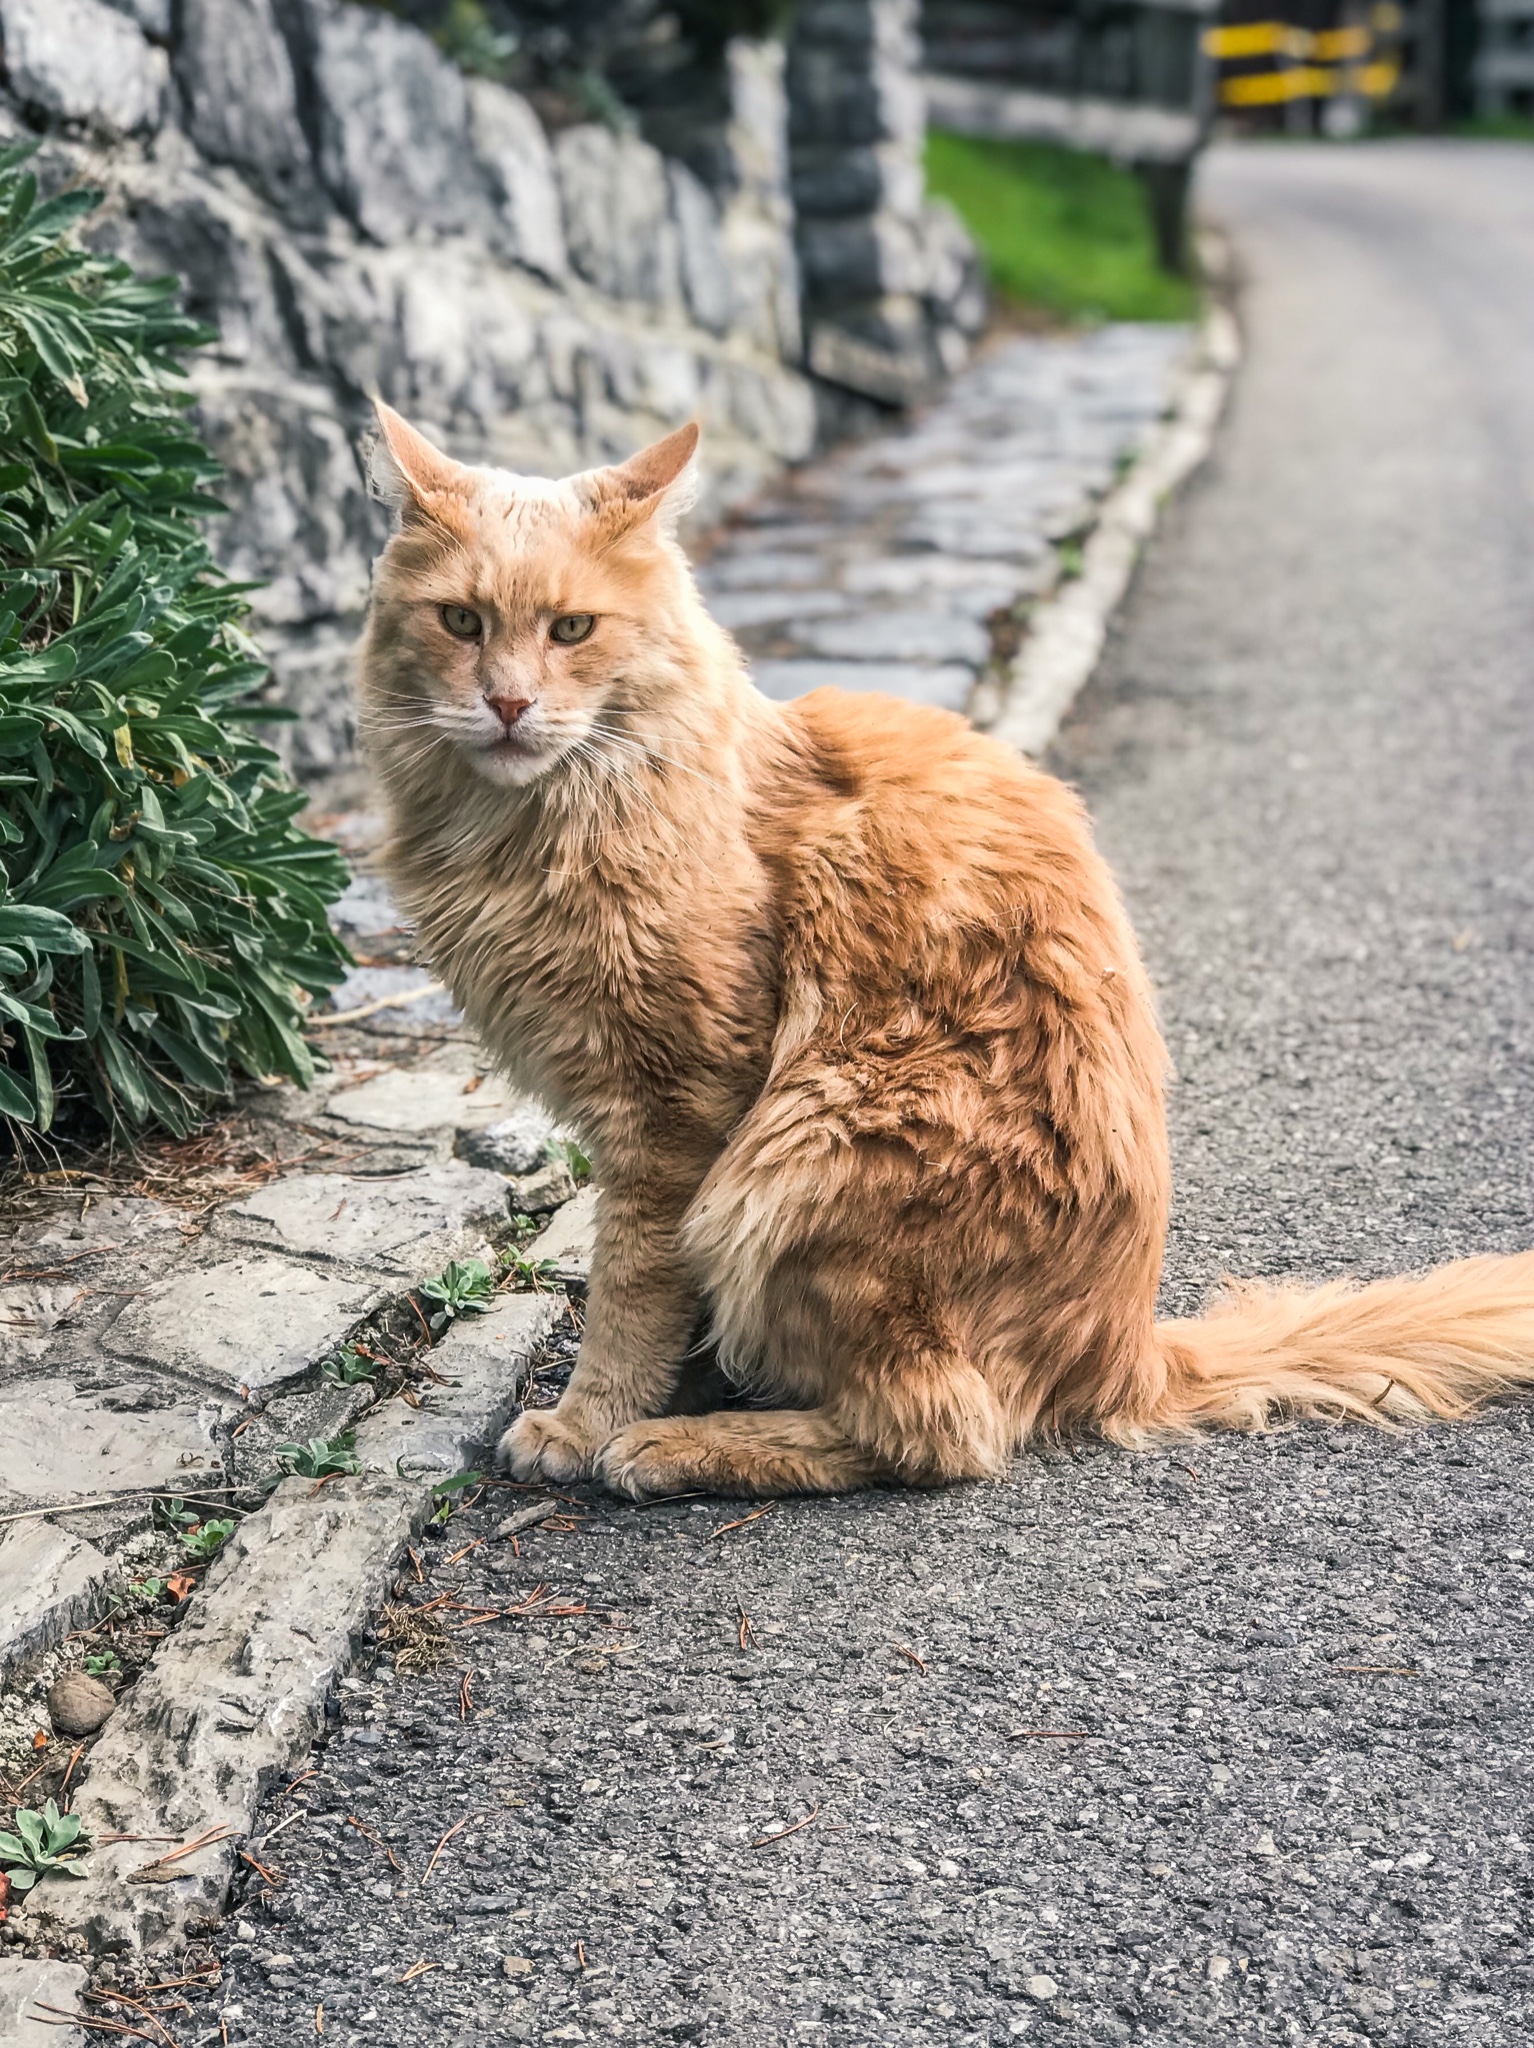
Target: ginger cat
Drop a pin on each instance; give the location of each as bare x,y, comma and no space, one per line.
850,1018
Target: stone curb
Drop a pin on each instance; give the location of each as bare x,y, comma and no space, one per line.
1067,632
236,1697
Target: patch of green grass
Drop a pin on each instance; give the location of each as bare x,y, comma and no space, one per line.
1068,233
1497,128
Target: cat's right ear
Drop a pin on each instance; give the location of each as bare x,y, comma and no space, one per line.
407,472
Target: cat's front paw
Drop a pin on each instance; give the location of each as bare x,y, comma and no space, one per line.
547,1443
646,1460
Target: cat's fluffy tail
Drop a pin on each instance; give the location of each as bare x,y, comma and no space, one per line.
1438,1345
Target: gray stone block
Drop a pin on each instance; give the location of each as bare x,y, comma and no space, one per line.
741,610
409,1224
56,1441
864,256
517,1144
618,223
51,1581
152,16
570,1241
236,78
253,1322
833,101
705,271
855,27
80,60
869,178
518,166
394,127
944,684
26,1987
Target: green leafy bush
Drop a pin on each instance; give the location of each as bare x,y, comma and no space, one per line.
161,916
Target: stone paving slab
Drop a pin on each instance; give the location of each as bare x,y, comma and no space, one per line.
236,1696
244,1323
54,1581
411,1224
58,1441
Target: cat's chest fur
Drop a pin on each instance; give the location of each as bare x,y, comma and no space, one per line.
624,994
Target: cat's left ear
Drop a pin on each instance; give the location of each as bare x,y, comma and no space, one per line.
660,483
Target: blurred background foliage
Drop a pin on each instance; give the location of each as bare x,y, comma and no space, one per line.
1061,231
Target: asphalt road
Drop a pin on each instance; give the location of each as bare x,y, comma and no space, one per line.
1284,1790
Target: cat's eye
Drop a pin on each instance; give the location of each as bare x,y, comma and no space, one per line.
572,627
461,622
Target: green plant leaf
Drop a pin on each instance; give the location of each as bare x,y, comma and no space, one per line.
151,849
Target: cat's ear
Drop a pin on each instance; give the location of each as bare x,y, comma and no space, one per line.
660,483
407,472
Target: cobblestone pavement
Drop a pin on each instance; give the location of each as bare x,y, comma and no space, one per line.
907,563
1229,1742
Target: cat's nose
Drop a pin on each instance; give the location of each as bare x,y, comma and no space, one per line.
507,708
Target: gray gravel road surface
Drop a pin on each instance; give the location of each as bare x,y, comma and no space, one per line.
1231,1742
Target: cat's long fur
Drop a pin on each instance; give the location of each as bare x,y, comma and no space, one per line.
851,1019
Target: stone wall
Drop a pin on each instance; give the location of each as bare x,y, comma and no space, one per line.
356,216
891,287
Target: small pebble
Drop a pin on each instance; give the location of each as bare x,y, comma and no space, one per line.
78,1705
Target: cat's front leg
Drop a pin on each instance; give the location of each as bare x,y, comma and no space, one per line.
639,1319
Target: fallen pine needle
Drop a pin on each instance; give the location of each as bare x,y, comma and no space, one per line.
1049,1735
465,1696
747,1632
783,1834
911,1658
69,1770
417,1970
203,1841
271,1876
81,2019
144,2011
377,1841
580,1953
453,1830
755,1515
1381,1670
319,2017
457,1554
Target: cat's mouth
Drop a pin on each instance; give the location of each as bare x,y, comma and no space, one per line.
514,756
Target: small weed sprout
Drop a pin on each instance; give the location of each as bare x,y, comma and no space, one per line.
351,1365
206,1540
528,1273
320,1457
444,1492
573,1157
100,1663
465,1288
39,1845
